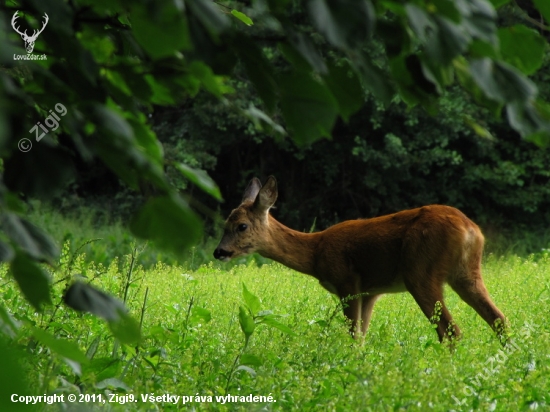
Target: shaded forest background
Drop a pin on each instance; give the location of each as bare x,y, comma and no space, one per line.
383,160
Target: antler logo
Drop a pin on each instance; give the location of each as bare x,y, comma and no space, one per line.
29,40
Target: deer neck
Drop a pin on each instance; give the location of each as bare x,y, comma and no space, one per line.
293,249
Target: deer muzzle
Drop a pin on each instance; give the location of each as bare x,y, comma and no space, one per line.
222,254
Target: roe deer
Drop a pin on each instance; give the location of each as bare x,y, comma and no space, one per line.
414,250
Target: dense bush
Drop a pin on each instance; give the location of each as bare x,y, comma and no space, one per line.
385,158
382,161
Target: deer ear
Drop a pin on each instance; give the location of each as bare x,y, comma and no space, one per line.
267,195
252,190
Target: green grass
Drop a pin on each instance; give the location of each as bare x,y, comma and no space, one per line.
100,238
193,343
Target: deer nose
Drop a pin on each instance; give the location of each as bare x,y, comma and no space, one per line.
220,253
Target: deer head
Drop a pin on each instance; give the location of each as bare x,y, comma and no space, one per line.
29,40
247,229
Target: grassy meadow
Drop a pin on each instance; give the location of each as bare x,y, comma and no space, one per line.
280,337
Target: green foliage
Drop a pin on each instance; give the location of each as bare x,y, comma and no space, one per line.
12,379
169,222
67,350
544,9
526,54
32,279
193,342
385,160
111,64
119,60
247,323
29,238
242,17
85,298
201,179
302,96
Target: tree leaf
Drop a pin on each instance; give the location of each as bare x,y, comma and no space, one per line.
294,57
169,222
478,129
161,31
126,329
395,36
522,47
464,75
544,7
414,86
528,120
104,368
6,252
479,49
42,172
114,124
86,298
210,49
199,314
29,238
161,94
248,369
247,322
204,73
273,322
201,179
8,324
210,16
479,20
112,383
374,79
421,23
242,17
303,50
136,82
260,120
278,6
147,141
32,279
116,145
14,378
249,359
346,88
252,301
258,69
345,23
62,347
308,107
498,3
449,41
501,82
448,9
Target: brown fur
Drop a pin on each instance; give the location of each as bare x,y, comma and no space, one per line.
414,250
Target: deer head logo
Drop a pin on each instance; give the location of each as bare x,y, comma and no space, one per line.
29,40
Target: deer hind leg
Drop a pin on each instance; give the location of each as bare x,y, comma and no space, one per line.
472,290
429,296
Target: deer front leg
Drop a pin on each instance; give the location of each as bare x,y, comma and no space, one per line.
353,311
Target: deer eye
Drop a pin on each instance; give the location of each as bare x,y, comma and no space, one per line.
242,227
